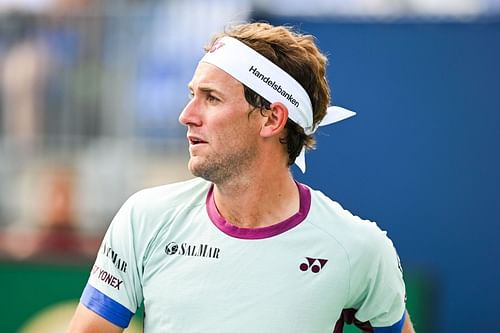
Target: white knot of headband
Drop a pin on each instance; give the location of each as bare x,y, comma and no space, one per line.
271,82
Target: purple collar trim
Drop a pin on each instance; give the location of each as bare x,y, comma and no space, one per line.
264,232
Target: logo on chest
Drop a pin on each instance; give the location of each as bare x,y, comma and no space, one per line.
192,250
314,265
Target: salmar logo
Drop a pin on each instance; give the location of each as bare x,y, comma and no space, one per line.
192,250
171,248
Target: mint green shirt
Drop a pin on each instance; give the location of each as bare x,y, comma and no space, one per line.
169,248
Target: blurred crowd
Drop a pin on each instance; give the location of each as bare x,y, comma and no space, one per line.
90,92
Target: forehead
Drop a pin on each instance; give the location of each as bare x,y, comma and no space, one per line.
210,76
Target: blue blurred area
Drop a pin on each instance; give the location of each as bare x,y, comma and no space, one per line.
422,156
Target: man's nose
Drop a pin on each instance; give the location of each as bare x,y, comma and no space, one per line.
189,115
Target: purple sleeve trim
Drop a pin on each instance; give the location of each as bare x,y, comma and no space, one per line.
264,232
348,316
396,328
106,307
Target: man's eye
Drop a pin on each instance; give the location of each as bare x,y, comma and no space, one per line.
212,99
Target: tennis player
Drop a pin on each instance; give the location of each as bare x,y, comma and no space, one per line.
243,247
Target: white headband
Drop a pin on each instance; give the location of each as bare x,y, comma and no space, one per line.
271,82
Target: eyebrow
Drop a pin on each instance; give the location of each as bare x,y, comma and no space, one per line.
205,89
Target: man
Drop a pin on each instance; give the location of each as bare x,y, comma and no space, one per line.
244,247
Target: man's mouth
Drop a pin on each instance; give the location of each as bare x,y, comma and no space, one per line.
195,140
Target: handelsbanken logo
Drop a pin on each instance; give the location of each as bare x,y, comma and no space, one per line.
192,250
273,84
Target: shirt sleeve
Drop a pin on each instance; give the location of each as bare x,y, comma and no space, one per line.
377,286
114,290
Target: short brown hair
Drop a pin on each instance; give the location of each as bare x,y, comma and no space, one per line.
297,55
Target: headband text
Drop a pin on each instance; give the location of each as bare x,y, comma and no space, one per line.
274,85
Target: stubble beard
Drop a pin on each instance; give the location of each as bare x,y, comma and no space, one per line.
221,169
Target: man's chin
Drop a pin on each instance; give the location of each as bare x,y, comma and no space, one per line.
202,171
196,168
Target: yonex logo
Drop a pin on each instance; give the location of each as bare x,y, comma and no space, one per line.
313,264
216,46
106,277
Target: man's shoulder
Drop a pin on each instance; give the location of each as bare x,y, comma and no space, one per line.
189,192
349,229
150,210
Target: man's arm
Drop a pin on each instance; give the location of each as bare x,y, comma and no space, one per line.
87,321
408,326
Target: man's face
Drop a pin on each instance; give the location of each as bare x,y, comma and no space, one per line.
223,136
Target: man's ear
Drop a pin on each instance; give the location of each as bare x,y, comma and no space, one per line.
275,120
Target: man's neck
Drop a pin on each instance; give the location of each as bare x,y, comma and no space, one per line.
253,202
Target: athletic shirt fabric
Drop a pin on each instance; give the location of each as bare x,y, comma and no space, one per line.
169,248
